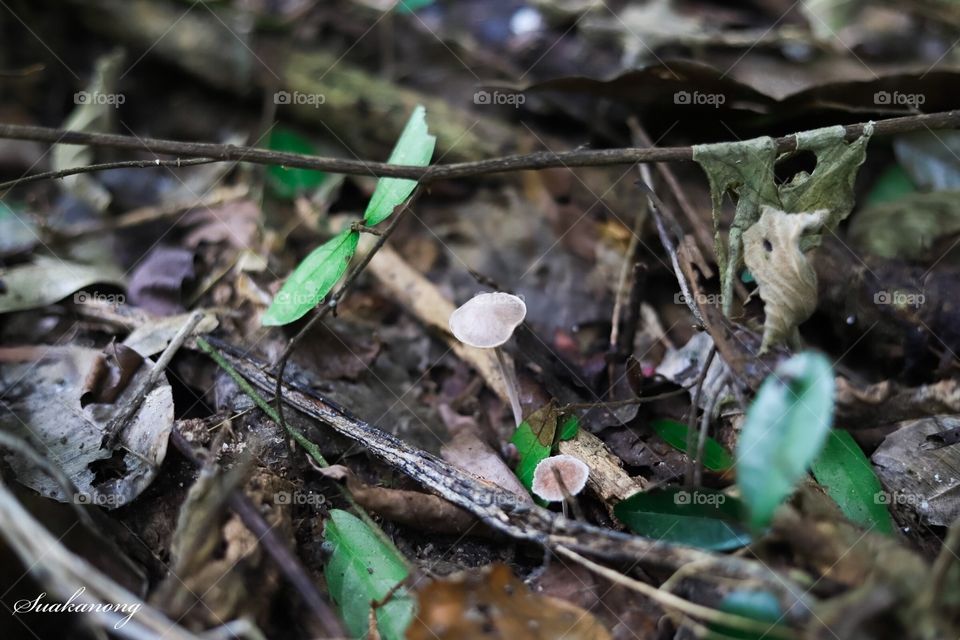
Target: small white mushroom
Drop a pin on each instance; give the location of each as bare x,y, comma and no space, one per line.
573,473
487,321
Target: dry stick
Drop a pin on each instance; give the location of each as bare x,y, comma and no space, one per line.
705,425
677,603
115,427
335,300
123,164
313,451
539,160
144,215
692,418
620,403
629,260
274,546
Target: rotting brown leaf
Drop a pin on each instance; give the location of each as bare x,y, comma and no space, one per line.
493,603
787,280
421,511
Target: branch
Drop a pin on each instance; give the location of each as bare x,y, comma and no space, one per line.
539,160
134,164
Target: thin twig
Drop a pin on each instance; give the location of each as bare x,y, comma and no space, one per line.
692,418
116,426
104,166
539,160
677,603
620,403
705,426
335,299
308,445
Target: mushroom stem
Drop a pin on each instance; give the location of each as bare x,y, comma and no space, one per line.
510,382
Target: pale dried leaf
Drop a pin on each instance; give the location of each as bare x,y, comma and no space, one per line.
787,280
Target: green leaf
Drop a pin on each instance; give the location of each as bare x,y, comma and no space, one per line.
361,570
569,425
704,518
893,184
312,279
785,429
844,471
534,439
674,433
289,183
761,606
415,147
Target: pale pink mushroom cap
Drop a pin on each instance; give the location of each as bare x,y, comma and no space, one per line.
573,472
487,320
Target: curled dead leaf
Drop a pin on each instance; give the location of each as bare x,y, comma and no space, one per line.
787,280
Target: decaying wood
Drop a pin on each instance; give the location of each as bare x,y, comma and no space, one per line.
497,508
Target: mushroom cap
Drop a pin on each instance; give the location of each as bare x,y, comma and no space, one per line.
573,472
487,320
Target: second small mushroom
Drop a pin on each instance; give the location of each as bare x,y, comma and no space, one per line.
487,321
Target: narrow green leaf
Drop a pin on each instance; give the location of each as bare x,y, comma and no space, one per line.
534,439
312,279
674,433
844,471
415,147
362,570
704,518
761,606
785,430
289,183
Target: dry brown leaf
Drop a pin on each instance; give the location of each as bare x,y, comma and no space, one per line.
110,374
470,453
490,604
787,280
421,511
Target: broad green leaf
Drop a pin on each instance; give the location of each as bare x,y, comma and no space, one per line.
704,518
415,147
674,433
909,228
844,471
761,606
361,570
534,439
785,429
312,279
746,168
289,183
893,184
